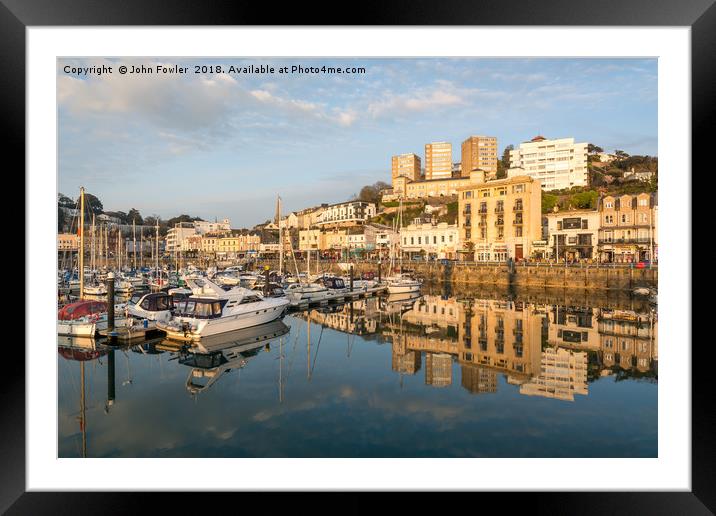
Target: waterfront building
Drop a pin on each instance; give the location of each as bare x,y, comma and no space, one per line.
347,213
405,165
573,234
309,239
627,231
191,243
499,219
68,242
479,152
180,232
563,373
237,244
333,239
557,164
438,160
436,241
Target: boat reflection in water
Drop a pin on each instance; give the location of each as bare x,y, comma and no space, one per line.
217,355
540,374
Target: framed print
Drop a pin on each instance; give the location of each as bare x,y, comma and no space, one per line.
422,252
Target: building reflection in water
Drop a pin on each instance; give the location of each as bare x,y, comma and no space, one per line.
545,350
550,351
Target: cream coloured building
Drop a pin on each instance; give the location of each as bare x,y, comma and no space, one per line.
479,152
438,160
430,240
309,239
499,219
557,164
407,189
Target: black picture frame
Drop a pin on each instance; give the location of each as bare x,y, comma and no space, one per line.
700,15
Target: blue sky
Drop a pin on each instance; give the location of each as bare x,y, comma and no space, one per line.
224,145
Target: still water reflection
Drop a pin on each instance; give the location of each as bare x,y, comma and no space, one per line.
431,376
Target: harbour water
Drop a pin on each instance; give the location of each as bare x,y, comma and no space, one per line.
444,374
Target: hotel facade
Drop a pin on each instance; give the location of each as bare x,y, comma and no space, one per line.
499,219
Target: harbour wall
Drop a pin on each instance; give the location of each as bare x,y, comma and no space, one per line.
579,276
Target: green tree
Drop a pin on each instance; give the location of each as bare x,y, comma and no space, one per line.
134,215
504,163
584,200
92,204
61,219
64,201
549,201
591,148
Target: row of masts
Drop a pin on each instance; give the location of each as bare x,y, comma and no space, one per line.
100,246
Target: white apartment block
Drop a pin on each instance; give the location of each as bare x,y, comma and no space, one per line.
203,227
177,235
438,160
557,164
351,212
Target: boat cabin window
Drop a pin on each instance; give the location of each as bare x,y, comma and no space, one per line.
249,299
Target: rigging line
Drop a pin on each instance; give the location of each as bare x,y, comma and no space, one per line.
293,355
318,346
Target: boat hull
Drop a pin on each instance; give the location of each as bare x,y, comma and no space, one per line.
211,327
403,289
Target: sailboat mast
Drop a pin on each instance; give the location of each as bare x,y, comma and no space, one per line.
280,237
93,246
81,265
156,254
134,243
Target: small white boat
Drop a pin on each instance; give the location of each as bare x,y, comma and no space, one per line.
402,284
95,290
298,293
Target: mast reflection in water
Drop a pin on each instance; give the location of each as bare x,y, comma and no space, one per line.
502,375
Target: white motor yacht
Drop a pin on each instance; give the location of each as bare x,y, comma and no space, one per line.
211,310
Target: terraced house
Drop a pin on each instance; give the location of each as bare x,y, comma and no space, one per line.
627,231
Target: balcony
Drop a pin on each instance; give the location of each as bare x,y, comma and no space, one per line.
499,222
517,222
517,207
499,210
482,211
